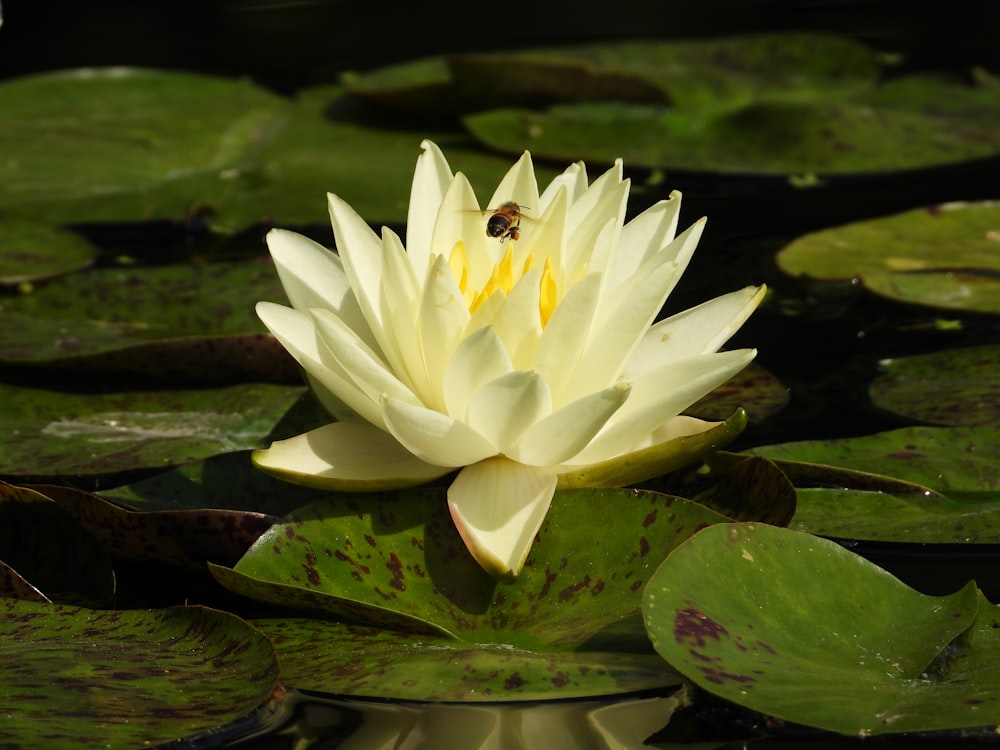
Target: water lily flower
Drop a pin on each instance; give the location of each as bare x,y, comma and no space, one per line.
525,360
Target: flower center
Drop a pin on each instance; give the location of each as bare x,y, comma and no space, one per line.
503,278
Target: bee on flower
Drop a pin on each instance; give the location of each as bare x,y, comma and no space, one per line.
525,365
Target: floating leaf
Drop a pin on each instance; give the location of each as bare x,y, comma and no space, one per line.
44,547
341,659
820,636
33,251
395,560
944,256
76,677
949,387
752,388
53,434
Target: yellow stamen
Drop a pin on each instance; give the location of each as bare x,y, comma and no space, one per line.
547,296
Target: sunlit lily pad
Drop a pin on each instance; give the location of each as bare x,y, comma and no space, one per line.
34,250
949,387
944,256
50,552
55,434
336,658
820,636
127,144
395,560
84,678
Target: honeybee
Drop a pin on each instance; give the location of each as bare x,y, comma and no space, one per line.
505,222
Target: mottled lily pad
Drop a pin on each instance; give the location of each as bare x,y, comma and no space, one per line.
47,552
59,435
820,636
949,387
395,560
754,388
76,677
33,250
341,659
944,256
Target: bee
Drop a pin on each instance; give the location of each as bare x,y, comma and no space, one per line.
505,222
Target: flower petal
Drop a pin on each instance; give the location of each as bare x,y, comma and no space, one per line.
334,387
361,253
660,395
498,506
697,330
566,432
518,323
643,237
400,302
505,407
480,358
313,276
518,185
431,179
435,437
442,319
346,456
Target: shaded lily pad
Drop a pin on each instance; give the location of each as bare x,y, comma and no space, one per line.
191,321
820,636
944,256
337,658
44,547
753,388
33,250
950,387
54,434
395,560
184,538
227,480
76,677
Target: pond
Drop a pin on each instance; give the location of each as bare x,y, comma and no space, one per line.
813,564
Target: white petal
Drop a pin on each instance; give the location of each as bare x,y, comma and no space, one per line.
368,371
698,330
480,358
435,437
507,406
660,395
518,185
443,318
400,303
431,179
643,237
573,180
361,253
297,333
460,220
346,456
518,323
313,276
567,431
498,506
545,237
565,337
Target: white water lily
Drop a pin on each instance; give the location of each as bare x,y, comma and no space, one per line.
520,361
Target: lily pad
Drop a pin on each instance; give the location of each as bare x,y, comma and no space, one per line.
395,560
58,435
50,552
944,256
33,251
753,388
181,321
75,677
341,659
127,144
820,636
949,387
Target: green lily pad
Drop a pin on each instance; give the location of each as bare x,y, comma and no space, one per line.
127,144
753,388
949,387
944,256
194,322
341,659
58,435
50,552
183,538
75,677
820,636
395,560
33,251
